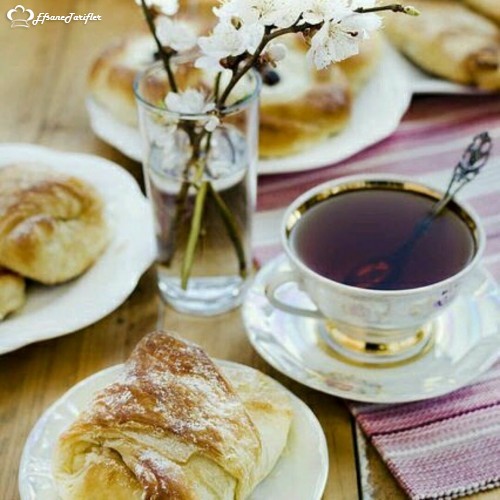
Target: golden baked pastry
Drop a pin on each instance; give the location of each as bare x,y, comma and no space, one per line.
299,105
111,78
450,41
490,8
12,292
52,226
305,105
174,426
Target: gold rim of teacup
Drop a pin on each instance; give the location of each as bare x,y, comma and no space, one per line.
329,189
394,185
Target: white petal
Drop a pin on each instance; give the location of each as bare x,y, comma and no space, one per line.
189,102
167,7
208,63
212,123
277,51
251,36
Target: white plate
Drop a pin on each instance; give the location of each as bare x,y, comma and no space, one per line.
57,310
466,343
300,474
377,111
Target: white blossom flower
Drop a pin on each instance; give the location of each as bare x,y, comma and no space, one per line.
276,52
279,13
193,102
175,34
227,40
339,38
318,11
212,123
167,7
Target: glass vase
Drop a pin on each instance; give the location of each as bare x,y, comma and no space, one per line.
202,187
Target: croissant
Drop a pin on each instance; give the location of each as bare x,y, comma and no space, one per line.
12,292
52,226
450,41
174,426
490,8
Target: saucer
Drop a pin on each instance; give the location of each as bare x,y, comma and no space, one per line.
465,343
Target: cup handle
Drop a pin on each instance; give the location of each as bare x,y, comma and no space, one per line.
271,287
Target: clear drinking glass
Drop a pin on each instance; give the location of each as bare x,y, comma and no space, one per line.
212,278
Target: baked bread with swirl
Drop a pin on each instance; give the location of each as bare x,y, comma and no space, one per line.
12,292
450,41
299,105
174,426
52,226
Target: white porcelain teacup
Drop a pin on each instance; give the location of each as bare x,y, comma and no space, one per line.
368,324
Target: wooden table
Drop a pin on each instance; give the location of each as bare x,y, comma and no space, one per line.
42,84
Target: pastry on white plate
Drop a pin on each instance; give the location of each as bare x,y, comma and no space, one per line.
175,426
52,225
12,292
490,8
300,106
451,41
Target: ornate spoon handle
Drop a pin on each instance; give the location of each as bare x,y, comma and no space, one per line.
473,159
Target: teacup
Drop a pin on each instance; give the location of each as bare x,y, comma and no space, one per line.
376,325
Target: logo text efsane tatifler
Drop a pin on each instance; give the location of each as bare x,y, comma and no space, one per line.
22,17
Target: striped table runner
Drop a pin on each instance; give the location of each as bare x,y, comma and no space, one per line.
448,446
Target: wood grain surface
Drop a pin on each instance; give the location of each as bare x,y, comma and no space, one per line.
42,88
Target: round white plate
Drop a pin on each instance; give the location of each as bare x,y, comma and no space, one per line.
466,343
300,473
58,310
376,113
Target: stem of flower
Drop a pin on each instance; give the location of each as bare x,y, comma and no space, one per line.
237,75
165,57
194,234
180,207
394,7
232,229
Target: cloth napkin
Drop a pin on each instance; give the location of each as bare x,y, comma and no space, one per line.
448,446
444,447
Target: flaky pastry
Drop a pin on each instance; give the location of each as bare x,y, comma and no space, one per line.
12,292
52,226
174,426
490,8
299,105
450,41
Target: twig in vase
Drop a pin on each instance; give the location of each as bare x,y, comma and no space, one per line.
232,229
165,56
194,233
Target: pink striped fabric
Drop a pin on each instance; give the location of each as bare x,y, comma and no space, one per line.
449,446
440,448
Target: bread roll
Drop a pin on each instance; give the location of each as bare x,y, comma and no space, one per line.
174,426
12,292
300,106
450,41
303,108
490,8
52,226
306,106
111,78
